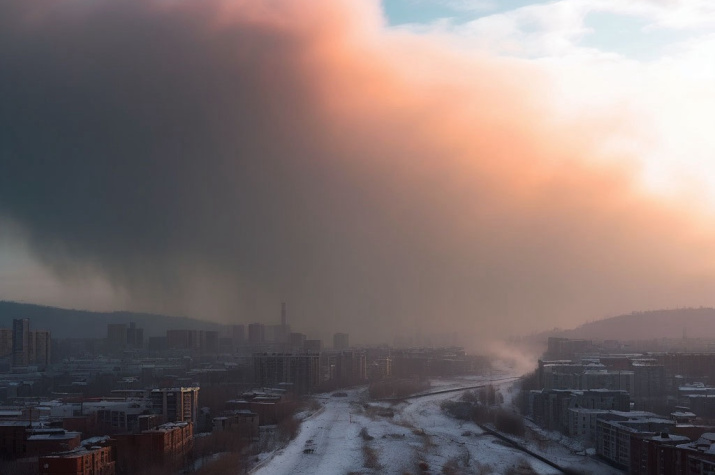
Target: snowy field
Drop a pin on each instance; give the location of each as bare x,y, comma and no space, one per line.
351,435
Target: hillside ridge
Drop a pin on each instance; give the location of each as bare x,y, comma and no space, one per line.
71,323
647,325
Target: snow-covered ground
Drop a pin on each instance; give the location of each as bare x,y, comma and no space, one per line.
331,436
353,435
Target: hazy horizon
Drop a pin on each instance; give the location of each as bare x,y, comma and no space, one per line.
518,169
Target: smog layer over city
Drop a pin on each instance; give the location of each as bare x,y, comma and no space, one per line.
357,236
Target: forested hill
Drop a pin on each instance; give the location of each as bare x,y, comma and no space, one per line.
66,323
694,322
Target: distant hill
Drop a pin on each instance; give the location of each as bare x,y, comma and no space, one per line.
695,322
65,323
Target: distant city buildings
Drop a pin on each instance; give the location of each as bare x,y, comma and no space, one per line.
117,335
561,348
256,334
25,347
238,335
39,348
133,396
299,373
380,368
281,332
348,368
20,342
341,341
135,336
5,342
121,336
197,340
313,346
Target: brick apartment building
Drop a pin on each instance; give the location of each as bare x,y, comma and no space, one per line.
83,461
166,445
25,439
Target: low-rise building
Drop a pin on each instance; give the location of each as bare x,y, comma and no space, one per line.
41,441
166,445
243,423
25,439
93,460
699,455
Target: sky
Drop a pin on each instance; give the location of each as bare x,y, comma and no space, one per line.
473,167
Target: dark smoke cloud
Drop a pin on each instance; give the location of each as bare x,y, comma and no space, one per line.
215,158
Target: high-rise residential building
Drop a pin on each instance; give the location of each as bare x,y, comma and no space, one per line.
649,385
301,371
348,367
185,339
5,342
256,333
135,336
117,335
176,404
380,369
238,335
313,346
209,341
278,333
341,341
40,348
297,341
20,342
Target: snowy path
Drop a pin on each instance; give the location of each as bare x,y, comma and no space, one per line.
334,440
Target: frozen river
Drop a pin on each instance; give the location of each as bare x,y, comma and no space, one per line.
353,435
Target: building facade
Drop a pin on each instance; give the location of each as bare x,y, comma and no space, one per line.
176,404
84,461
300,371
341,341
20,342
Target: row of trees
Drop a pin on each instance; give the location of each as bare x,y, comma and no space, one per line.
482,406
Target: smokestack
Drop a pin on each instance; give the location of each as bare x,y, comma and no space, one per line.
283,314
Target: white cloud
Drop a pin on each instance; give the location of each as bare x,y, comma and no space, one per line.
471,5
663,107
532,31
